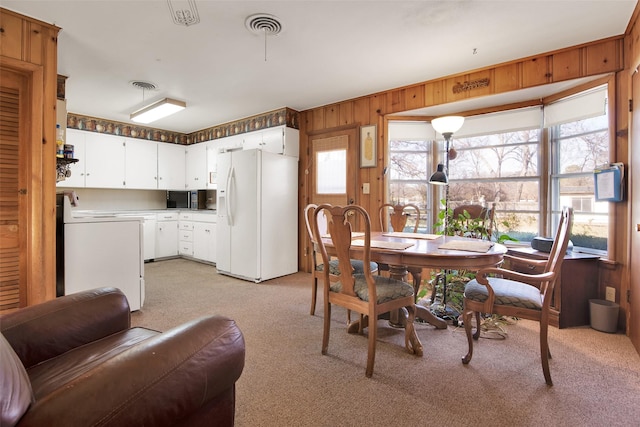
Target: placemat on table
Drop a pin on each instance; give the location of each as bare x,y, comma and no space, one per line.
383,244
465,245
412,235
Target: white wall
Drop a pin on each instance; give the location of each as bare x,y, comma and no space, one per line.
106,199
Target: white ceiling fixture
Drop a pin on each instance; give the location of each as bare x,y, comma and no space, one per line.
183,12
263,24
157,110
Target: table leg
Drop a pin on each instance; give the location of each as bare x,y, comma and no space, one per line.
397,318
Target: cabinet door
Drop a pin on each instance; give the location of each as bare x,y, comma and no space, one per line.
104,156
212,164
76,180
141,164
171,166
196,167
166,239
252,140
204,241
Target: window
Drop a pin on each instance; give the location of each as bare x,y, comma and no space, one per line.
409,168
579,132
498,158
503,169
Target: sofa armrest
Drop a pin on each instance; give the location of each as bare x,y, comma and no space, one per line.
46,330
160,381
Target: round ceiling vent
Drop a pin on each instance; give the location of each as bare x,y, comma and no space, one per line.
138,84
263,23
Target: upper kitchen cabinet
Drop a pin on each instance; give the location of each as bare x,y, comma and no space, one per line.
141,164
101,160
196,167
105,160
77,170
171,166
279,140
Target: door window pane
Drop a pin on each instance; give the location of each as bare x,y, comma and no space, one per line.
331,167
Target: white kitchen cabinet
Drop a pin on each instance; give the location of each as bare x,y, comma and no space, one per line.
204,241
212,164
105,160
76,180
196,166
171,166
185,238
167,235
141,164
279,140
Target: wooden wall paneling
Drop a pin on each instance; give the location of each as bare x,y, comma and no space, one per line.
414,97
450,95
397,101
604,57
36,41
506,78
361,107
346,113
317,122
536,71
434,93
567,65
12,35
331,116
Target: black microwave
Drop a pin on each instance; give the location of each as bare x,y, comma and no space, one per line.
178,199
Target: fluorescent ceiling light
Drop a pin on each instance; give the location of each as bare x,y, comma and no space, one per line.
157,110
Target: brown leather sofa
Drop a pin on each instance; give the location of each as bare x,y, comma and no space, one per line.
80,363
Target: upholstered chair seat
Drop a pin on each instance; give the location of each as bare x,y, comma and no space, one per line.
387,289
507,292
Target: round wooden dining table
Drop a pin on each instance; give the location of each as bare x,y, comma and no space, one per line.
405,252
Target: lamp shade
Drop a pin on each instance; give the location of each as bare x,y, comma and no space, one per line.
447,124
439,177
157,110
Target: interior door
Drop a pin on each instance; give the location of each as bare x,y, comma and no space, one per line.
333,168
633,320
13,190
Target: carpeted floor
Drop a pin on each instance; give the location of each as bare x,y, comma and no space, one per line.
287,382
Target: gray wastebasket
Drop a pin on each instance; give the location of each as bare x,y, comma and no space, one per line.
604,315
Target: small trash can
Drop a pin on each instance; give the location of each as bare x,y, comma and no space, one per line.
604,315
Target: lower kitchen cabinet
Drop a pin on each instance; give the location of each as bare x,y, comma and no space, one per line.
197,236
167,235
204,242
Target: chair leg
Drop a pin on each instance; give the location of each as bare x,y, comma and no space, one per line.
476,335
466,319
545,354
411,340
326,329
314,294
416,273
371,352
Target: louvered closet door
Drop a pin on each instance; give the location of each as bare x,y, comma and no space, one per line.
12,189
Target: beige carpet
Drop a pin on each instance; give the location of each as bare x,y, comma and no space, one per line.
287,382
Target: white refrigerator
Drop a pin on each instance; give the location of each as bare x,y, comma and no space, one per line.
257,208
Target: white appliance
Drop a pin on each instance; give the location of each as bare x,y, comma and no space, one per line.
104,250
257,203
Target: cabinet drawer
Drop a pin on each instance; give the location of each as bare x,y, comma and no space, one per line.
185,225
186,236
169,216
185,248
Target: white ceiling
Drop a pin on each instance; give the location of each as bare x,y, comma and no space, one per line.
328,51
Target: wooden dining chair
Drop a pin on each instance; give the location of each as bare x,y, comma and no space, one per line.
525,296
398,215
318,266
368,294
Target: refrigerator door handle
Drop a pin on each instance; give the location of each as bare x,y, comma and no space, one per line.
230,176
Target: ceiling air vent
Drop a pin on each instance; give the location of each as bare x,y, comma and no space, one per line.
263,24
